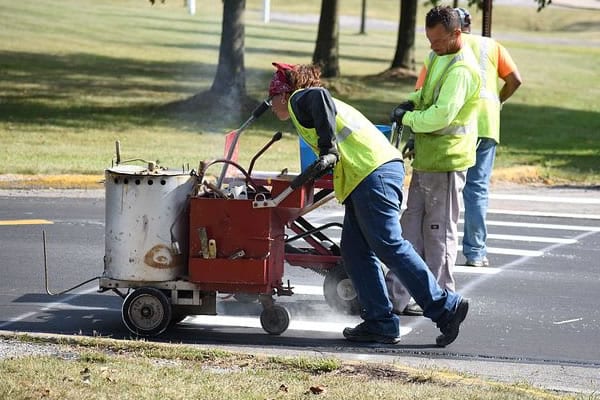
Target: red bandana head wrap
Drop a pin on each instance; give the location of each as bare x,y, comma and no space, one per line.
280,84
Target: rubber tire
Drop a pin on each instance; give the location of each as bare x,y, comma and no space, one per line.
146,312
275,319
339,291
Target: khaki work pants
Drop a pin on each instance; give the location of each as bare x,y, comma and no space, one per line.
430,223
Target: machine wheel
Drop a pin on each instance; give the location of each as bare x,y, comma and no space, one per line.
146,312
339,291
275,319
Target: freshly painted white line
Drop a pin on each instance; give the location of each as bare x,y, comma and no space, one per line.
476,270
51,306
515,252
308,289
295,324
568,321
19,318
64,306
522,238
546,199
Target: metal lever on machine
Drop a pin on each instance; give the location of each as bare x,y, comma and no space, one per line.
396,136
258,111
46,273
314,171
276,137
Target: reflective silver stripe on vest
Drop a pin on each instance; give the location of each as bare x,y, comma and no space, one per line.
343,134
457,129
484,50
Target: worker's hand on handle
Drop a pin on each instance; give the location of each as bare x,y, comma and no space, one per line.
327,161
315,170
398,112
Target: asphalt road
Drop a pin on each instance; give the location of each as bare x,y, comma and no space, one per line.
534,315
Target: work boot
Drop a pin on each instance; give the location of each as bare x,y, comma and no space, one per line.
413,310
484,262
360,334
450,330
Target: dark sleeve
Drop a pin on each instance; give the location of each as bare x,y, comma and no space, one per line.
314,108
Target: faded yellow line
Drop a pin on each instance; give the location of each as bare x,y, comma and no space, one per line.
26,222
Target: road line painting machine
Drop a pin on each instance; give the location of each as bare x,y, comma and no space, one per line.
174,239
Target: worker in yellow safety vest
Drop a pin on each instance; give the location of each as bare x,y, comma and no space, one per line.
368,173
494,62
444,127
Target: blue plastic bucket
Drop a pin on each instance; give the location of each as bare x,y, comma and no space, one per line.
386,130
307,155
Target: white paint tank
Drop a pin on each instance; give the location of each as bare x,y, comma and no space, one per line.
146,220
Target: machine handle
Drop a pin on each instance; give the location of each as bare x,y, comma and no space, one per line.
315,170
276,137
262,107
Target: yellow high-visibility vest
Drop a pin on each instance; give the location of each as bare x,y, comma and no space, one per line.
488,109
362,148
444,120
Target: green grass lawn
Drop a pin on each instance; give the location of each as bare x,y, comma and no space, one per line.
102,368
77,75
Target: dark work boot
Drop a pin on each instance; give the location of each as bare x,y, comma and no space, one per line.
450,330
361,334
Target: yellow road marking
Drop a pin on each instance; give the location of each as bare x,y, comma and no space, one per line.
26,222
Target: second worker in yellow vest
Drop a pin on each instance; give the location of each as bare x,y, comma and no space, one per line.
495,64
445,134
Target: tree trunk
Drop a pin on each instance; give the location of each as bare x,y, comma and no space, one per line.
363,17
327,47
405,47
230,79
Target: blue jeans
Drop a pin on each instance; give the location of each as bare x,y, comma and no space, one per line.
371,233
475,197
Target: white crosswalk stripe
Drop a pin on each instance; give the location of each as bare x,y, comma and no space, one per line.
543,214
522,238
515,252
545,199
531,225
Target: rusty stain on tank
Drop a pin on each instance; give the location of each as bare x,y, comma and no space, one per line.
160,257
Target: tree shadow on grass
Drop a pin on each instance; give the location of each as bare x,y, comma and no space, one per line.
83,91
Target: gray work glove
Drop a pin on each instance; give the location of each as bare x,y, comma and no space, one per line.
328,160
